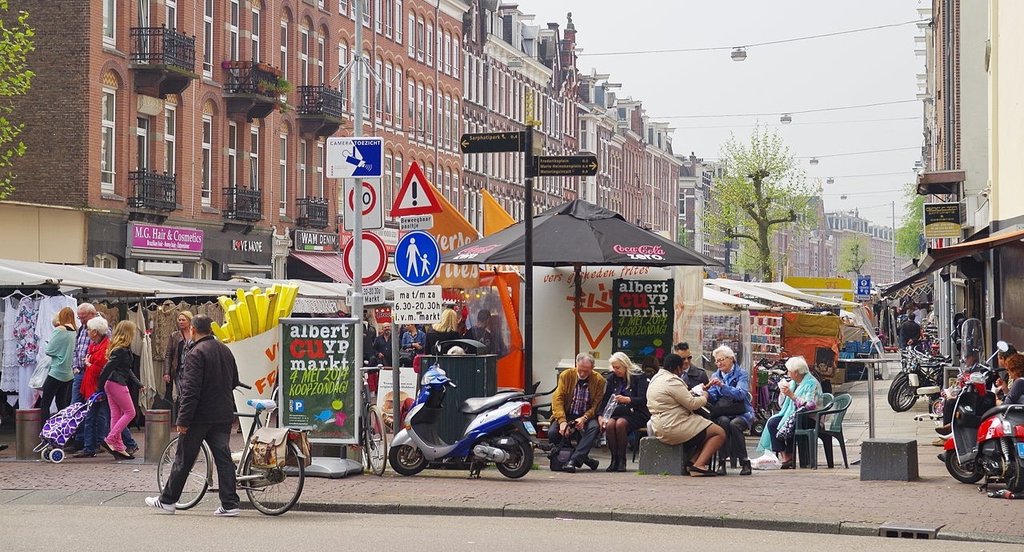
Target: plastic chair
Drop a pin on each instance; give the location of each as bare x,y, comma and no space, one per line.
831,426
810,433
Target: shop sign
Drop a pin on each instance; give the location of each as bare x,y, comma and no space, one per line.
319,377
316,241
642,312
247,246
165,238
942,220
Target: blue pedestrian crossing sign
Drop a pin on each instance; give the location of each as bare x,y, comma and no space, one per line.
354,157
417,258
863,287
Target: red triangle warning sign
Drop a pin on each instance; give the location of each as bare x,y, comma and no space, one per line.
416,197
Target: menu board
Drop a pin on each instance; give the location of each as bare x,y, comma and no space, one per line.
642,318
319,378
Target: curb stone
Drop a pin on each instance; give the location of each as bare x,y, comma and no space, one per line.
858,529
966,536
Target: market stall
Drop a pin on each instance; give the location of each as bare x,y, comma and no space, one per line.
726,322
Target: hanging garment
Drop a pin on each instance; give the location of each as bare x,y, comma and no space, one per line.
111,314
26,348
8,364
48,309
136,315
165,322
151,376
213,310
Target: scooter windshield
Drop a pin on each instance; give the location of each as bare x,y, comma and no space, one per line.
972,342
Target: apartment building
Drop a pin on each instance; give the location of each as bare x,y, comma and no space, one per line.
176,137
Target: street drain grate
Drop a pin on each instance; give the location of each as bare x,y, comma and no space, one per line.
901,531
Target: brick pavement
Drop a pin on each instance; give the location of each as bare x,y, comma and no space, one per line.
823,500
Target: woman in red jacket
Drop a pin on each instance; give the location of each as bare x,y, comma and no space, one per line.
95,424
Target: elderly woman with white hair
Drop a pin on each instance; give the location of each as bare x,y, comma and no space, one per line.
802,393
626,391
729,404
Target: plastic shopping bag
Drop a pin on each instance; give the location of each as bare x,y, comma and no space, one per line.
767,461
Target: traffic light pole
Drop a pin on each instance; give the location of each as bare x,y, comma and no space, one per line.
528,260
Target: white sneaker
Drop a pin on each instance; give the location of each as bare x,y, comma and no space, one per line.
221,512
154,502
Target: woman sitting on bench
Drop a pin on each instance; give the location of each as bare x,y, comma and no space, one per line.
673,416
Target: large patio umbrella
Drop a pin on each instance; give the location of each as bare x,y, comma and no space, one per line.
574,234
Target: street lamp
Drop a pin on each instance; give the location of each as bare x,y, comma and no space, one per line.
813,161
830,181
786,118
739,53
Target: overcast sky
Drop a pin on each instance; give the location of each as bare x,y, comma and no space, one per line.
852,69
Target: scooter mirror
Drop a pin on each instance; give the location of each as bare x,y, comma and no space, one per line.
1002,346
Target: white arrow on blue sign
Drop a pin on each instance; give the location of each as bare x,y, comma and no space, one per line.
354,157
864,285
417,258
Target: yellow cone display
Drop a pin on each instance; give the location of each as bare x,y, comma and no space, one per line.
254,311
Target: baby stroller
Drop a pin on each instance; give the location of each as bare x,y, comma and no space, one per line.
60,428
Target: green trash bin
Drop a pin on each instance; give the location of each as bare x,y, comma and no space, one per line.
474,376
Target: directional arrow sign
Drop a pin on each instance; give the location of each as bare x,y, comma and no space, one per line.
566,165
492,142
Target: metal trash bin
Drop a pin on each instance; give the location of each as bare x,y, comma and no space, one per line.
474,376
27,423
158,434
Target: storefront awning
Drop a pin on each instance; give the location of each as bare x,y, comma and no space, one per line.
759,292
327,264
936,259
720,297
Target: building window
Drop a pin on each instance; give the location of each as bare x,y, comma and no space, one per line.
430,115
321,57
170,133
398,97
366,13
420,36
302,168
109,21
412,35
419,112
388,182
207,38
171,14
254,36
343,83
397,17
367,98
397,173
411,108
320,190
455,56
233,29
107,141
343,7
232,155
447,53
388,87
283,62
429,40
282,175
207,169
378,100
304,55
254,158
378,16
204,270
104,260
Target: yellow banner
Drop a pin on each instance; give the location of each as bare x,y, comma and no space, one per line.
496,218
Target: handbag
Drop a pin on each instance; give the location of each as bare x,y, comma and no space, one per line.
725,406
42,369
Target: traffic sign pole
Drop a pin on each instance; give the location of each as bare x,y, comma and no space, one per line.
357,228
528,259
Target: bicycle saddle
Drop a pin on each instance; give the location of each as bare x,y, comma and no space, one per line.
261,404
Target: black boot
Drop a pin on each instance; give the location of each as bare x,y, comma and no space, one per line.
622,464
746,466
591,463
613,466
721,467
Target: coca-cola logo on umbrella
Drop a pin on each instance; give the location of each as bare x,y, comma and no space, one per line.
475,251
641,252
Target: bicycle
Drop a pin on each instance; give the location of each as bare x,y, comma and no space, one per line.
373,440
272,491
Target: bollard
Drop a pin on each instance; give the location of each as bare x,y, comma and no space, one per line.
28,423
158,434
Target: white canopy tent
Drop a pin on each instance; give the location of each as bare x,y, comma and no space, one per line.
790,291
719,301
748,288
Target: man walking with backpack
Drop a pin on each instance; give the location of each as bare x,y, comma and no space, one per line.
208,378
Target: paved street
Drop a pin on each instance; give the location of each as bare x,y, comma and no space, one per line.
823,500
316,531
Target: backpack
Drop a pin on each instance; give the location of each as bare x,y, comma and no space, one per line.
560,455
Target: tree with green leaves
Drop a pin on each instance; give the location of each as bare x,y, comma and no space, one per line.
761,190
16,42
854,253
910,235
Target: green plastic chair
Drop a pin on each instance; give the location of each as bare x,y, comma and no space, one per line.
831,427
811,433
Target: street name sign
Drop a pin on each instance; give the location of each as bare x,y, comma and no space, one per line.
417,305
373,295
492,142
565,165
416,222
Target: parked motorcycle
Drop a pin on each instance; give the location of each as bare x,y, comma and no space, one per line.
768,403
498,430
919,376
988,440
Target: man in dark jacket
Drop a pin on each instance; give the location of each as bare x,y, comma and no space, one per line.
910,332
692,375
206,410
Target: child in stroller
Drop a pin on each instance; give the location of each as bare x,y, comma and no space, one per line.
60,429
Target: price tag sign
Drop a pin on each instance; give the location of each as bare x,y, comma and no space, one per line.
417,305
373,295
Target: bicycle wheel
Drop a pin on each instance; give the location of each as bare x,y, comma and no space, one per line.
198,480
375,442
273,491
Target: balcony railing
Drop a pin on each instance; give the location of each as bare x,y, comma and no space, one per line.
322,100
312,212
243,204
249,77
163,46
153,190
